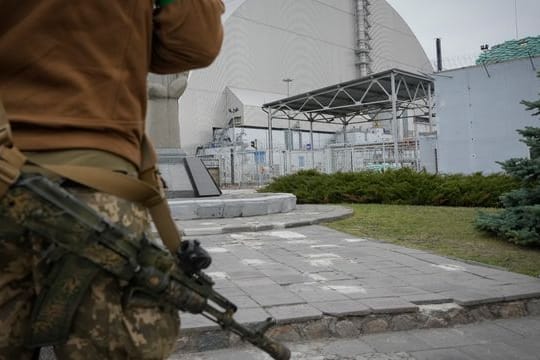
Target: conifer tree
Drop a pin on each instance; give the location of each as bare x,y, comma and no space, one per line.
519,221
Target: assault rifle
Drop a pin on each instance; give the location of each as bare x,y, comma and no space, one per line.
84,235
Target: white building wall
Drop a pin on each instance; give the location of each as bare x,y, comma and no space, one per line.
479,111
311,41
393,43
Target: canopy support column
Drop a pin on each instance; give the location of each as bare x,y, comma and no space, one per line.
312,145
430,108
394,117
270,144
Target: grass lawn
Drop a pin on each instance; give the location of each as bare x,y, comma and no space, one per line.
445,231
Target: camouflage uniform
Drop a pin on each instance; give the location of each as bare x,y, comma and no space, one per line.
102,327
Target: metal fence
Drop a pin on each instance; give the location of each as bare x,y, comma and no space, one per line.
231,167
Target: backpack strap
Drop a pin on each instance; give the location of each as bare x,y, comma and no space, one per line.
147,191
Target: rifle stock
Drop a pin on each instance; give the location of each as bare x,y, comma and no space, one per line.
150,269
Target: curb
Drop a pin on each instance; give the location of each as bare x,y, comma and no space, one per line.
354,325
336,214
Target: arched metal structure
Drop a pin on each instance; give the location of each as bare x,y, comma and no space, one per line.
316,43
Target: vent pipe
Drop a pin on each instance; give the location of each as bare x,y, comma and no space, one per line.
439,54
363,60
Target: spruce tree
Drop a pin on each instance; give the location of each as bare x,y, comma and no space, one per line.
519,221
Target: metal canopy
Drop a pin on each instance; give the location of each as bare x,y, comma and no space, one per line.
389,93
356,101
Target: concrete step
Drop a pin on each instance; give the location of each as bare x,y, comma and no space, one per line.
343,324
352,323
487,340
300,215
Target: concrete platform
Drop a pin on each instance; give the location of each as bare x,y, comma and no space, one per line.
232,204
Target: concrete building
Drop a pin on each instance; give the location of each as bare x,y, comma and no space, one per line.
478,112
283,47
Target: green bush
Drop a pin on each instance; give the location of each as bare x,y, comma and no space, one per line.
519,222
403,186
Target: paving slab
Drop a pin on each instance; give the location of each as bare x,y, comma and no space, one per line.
390,305
442,354
499,351
346,348
396,342
294,313
522,326
342,308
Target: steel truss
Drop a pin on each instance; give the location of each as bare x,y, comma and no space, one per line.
392,92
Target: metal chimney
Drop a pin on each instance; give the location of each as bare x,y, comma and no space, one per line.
363,47
439,54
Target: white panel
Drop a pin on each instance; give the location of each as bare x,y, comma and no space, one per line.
343,5
304,18
195,123
479,114
427,147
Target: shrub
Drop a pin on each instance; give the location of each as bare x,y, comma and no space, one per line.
402,186
519,222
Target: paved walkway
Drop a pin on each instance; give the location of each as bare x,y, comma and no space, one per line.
307,274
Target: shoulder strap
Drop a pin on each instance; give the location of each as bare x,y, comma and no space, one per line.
157,205
11,159
147,191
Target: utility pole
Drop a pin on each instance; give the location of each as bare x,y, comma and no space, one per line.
233,112
288,81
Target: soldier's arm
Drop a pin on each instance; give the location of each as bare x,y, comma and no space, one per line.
187,34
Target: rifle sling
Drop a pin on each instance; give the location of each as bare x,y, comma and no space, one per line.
11,159
53,311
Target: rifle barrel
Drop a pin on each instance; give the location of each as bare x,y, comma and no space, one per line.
275,349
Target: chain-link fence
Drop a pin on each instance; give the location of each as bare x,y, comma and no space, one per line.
252,167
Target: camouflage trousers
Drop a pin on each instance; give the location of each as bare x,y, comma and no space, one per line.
102,327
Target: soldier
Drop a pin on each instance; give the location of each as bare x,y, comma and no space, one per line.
73,82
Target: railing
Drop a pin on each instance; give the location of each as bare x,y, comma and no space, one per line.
245,168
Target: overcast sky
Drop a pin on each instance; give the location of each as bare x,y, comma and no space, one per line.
463,25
